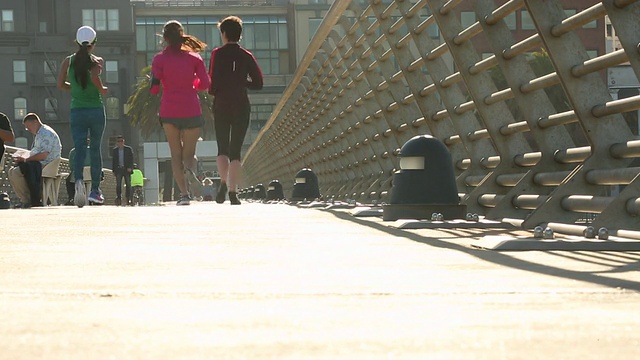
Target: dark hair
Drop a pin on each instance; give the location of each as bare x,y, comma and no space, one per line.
31,117
231,26
82,63
173,34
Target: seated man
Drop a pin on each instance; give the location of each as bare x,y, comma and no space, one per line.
26,176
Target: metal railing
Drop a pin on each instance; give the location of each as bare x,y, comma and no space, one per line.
373,78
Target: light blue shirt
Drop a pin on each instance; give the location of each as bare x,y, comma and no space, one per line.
47,140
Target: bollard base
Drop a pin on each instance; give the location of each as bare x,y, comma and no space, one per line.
393,212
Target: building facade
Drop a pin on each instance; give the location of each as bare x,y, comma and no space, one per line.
36,35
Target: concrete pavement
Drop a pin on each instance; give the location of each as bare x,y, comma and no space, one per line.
262,281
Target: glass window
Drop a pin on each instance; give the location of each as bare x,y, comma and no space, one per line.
467,18
314,24
50,71
7,20
260,33
248,39
20,108
112,108
283,38
101,19
432,30
141,41
113,18
510,20
273,36
87,17
111,71
50,108
262,36
527,22
20,71
591,25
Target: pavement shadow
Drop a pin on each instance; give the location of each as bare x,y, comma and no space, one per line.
627,262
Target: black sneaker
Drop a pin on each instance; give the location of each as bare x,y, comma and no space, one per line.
233,198
184,200
222,193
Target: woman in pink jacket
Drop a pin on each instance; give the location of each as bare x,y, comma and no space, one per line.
181,71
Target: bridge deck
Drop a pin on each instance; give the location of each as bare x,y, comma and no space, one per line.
265,281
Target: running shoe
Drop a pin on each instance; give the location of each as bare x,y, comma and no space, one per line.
233,198
184,200
222,193
193,183
96,198
80,198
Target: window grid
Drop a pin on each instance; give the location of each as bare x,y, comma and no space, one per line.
50,108
7,20
19,71
101,19
20,108
111,71
264,34
112,108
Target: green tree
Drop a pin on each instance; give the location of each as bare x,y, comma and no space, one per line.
143,108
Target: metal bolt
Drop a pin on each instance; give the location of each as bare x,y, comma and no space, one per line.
434,216
538,232
589,232
603,233
548,233
440,217
476,218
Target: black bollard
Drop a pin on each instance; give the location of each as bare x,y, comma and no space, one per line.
259,192
5,202
306,186
275,191
425,183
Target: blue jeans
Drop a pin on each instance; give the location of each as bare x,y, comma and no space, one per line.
88,123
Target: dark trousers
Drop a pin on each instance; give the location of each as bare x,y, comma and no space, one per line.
123,174
71,188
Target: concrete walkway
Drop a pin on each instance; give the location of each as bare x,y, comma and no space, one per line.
262,281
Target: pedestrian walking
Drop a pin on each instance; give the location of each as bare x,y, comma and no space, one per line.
80,74
180,70
233,70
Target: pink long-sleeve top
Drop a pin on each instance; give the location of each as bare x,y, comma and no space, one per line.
182,75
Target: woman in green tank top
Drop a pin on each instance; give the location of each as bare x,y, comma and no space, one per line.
80,74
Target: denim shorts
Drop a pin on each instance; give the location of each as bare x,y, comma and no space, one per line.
184,123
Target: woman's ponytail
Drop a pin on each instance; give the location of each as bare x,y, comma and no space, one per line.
82,63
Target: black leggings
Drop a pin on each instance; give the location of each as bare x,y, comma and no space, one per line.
230,132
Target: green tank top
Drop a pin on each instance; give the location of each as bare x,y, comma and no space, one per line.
83,98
